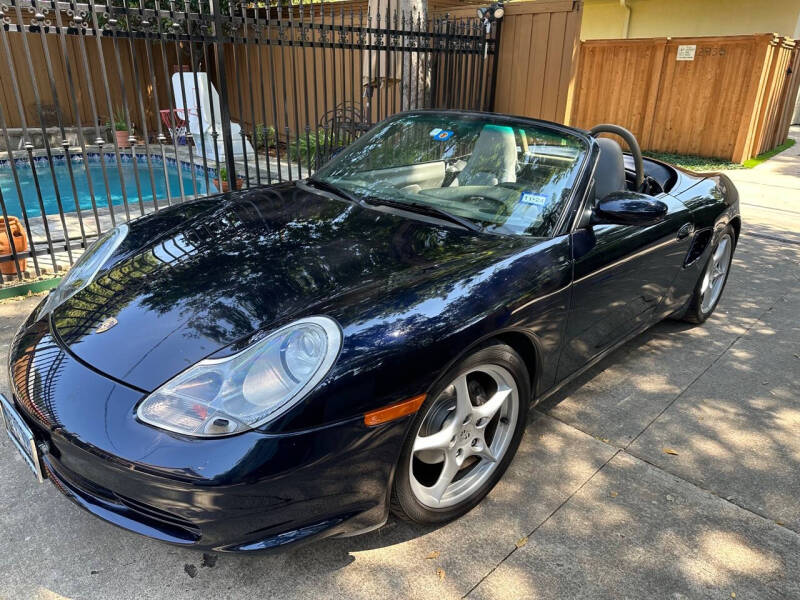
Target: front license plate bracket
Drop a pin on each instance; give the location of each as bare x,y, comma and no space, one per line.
22,437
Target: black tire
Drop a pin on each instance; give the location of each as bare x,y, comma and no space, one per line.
404,504
694,312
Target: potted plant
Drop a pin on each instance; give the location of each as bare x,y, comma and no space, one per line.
222,181
120,126
20,241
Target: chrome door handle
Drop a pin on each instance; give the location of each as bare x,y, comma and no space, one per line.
685,231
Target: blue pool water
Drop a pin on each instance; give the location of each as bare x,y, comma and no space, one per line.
117,178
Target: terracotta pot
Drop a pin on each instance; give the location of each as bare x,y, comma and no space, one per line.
223,186
122,139
20,244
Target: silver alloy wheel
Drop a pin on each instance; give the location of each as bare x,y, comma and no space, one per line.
464,441
714,276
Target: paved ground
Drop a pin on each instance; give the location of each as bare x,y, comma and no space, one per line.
592,507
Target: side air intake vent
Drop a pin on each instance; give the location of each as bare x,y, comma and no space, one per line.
699,244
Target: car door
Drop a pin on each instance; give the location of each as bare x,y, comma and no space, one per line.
621,273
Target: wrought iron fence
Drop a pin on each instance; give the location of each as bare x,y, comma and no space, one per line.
110,111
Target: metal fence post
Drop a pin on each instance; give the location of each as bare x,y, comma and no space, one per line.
227,139
498,26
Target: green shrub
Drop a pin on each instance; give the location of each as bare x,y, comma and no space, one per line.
304,148
264,137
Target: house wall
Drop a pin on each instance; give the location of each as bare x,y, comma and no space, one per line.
604,19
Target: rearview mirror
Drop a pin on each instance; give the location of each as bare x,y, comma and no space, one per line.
629,208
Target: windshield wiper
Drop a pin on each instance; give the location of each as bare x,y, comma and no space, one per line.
425,209
334,189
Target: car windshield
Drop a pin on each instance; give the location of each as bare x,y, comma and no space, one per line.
504,176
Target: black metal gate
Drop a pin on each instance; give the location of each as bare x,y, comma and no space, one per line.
109,111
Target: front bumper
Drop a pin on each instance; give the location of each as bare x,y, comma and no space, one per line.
341,489
248,492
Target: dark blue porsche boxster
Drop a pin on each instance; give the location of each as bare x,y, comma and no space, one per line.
297,361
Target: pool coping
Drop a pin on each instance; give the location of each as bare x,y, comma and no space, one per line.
127,155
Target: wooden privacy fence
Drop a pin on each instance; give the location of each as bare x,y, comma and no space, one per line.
539,44
724,97
100,55
122,62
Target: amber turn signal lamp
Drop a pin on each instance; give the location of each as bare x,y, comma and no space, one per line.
394,411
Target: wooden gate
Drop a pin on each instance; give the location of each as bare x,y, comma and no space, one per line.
724,97
539,43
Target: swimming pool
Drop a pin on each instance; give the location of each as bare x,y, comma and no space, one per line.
118,176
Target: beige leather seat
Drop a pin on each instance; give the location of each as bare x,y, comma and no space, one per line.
493,159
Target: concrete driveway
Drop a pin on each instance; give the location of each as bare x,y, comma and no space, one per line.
669,471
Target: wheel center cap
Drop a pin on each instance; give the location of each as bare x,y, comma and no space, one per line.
464,435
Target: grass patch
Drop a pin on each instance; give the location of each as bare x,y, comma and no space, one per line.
704,164
694,163
754,162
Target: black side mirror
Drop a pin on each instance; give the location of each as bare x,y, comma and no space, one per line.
628,208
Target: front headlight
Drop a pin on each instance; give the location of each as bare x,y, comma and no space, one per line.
86,267
233,394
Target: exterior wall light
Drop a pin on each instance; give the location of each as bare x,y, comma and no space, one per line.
494,12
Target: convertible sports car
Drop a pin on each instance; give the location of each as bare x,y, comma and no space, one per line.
292,362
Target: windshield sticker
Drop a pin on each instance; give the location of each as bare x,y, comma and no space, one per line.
441,135
533,199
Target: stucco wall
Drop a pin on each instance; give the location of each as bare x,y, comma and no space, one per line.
675,18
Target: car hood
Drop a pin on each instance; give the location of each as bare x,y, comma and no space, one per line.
191,280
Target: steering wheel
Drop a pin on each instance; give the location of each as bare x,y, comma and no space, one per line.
633,145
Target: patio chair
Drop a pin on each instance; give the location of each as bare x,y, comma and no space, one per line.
341,126
200,121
